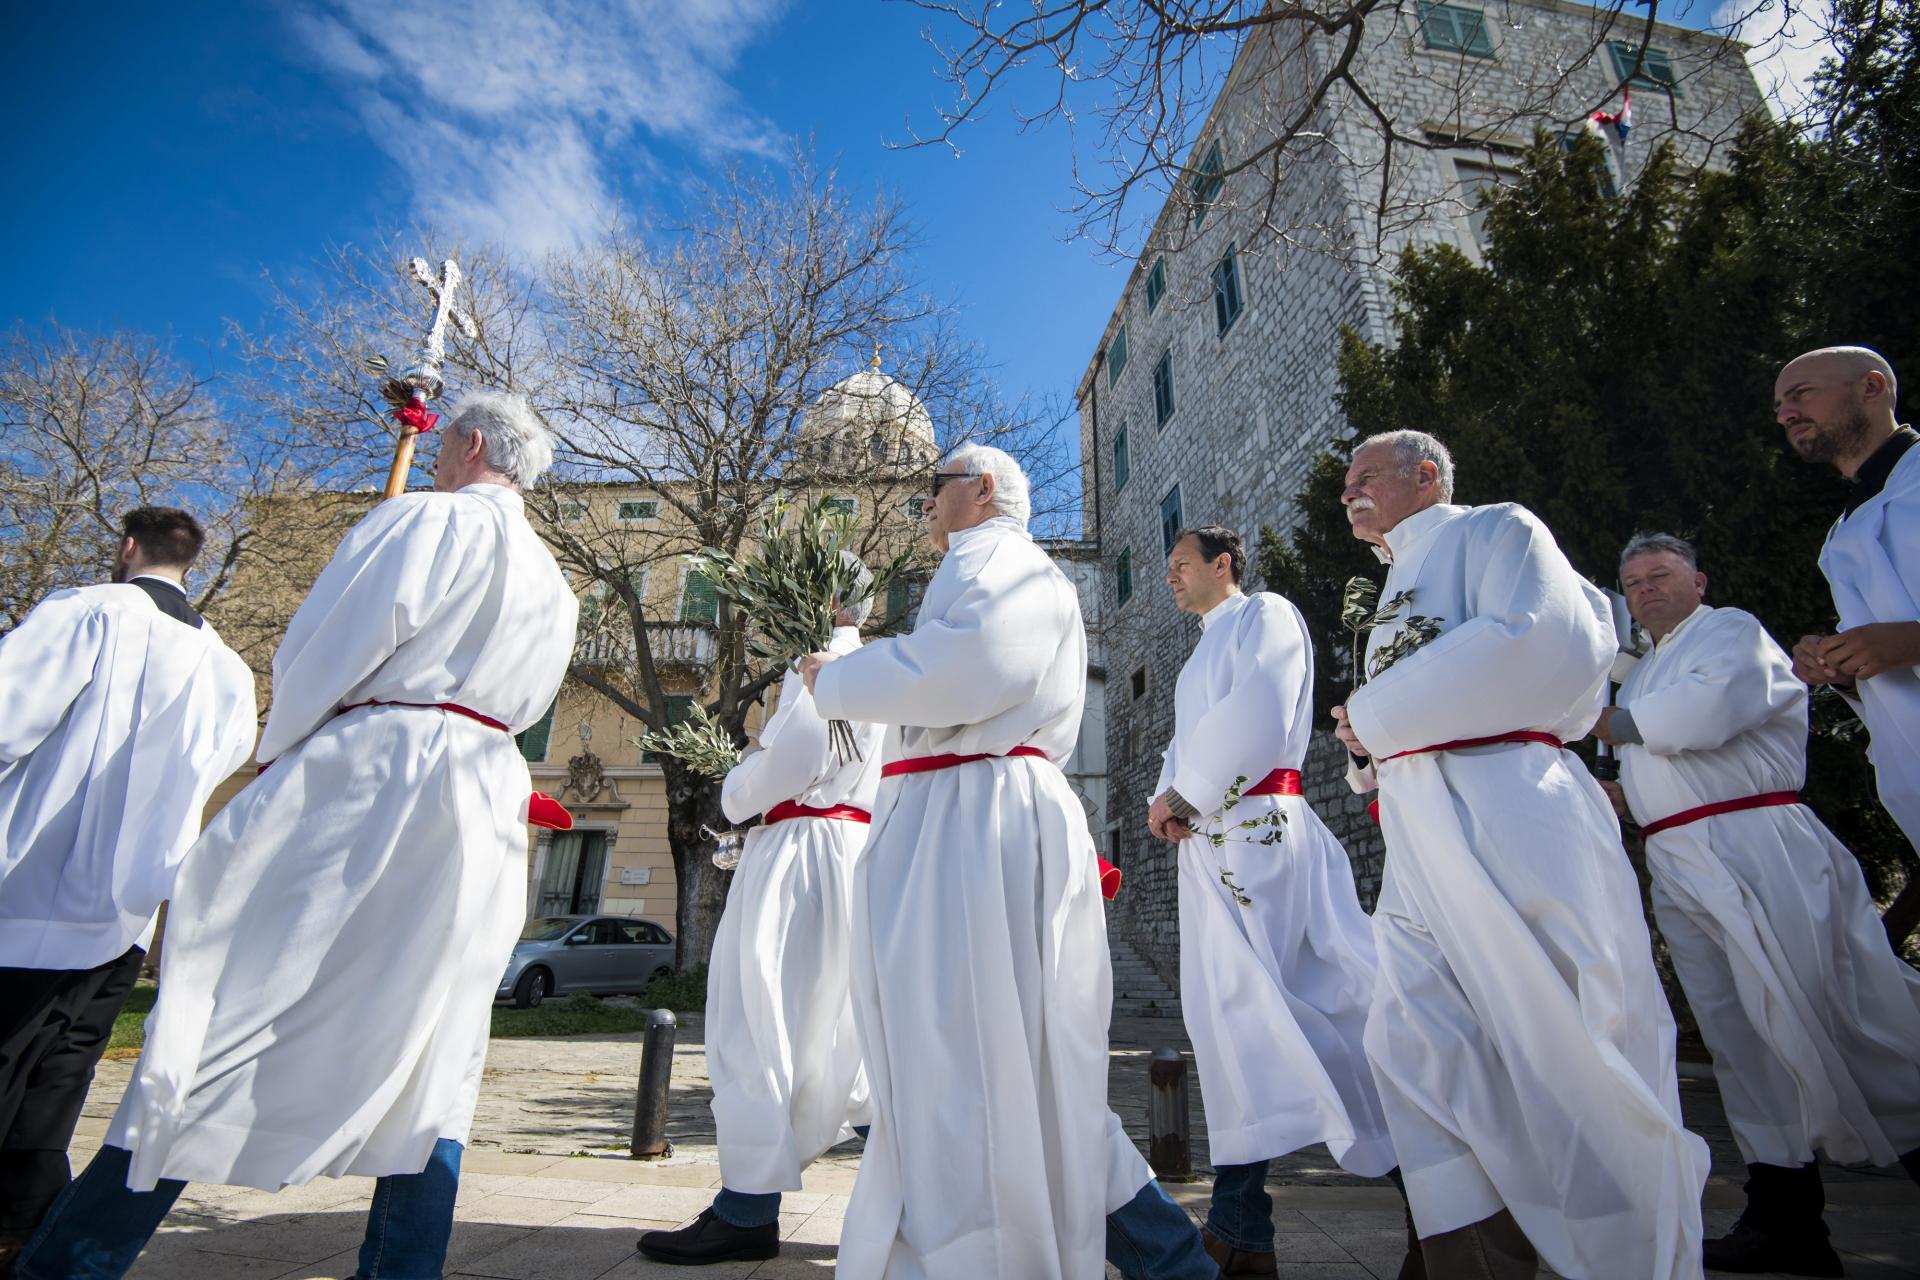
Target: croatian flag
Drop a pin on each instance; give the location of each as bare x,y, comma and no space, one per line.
1619,124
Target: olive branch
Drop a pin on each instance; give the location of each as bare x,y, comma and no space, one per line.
1272,826
700,742
1359,615
792,584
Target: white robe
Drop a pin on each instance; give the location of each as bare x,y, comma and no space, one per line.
1813,1022
781,1046
1872,562
1275,993
336,936
982,984
1519,1035
116,724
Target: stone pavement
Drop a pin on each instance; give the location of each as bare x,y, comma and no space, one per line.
547,1192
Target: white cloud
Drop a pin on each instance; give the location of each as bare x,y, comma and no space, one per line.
508,117
1786,44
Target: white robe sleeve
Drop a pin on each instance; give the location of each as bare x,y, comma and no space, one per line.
1242,734
989,652
44,664
1532,648
377,592
1168,759
1736,678
794,757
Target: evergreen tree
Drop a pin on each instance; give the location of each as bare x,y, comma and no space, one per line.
1611,365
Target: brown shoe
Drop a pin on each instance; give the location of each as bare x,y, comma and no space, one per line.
1491,1249
1238,1262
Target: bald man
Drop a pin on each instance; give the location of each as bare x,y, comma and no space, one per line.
1837,406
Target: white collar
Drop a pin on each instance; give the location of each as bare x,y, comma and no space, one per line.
1225,608
1701,611
995,524
1404,536
154,577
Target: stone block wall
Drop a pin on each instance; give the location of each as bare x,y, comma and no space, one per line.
1254,405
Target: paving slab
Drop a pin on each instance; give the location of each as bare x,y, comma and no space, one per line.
548,1193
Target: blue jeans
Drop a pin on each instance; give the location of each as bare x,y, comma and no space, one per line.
1242,1212
755,1209
747,1208
1151,1238
97,1228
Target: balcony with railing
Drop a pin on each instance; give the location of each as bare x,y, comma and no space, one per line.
681,645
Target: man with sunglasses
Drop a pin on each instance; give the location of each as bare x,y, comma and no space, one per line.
981,979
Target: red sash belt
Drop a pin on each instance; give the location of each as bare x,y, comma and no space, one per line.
932,764
1109,874
542,809
1766,800
1281,782
788,809
454,707
1460,744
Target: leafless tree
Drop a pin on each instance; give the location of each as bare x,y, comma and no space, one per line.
93,425
1136,82
701,367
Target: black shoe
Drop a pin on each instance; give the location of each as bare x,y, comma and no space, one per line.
1746,1251
710,1238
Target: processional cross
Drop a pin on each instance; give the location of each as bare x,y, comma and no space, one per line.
409,392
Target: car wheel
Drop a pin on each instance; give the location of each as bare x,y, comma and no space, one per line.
533,987
664,971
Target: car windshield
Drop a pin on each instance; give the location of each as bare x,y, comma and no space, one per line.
547,928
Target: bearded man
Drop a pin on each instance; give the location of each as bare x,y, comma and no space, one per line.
1837,405
1522,1044
337,934
1813,1022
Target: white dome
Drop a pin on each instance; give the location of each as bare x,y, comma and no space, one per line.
868,418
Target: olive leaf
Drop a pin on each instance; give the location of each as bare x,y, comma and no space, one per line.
790,584
699,741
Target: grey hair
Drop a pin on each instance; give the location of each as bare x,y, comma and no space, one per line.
861,603
1411,448
518,445
1010,490
1859,361
1642,544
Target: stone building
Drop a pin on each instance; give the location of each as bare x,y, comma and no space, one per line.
1213,385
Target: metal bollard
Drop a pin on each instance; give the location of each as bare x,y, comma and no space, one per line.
1169,1149
650,1106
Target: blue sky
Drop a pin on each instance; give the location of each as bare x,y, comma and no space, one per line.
159,162
156,167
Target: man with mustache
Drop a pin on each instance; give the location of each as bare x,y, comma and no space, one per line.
1518,1034
1837,405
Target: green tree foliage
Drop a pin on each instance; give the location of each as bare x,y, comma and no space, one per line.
1610,366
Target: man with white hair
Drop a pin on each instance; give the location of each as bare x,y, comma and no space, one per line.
1838,405
336,936
1814,1023
1519,1036
781,1047
981,980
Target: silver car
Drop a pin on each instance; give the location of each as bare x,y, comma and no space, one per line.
602,955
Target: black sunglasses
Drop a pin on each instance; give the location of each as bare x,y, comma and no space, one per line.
941,477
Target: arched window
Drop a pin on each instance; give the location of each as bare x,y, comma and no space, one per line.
877,446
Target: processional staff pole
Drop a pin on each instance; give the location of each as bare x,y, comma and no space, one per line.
409,391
